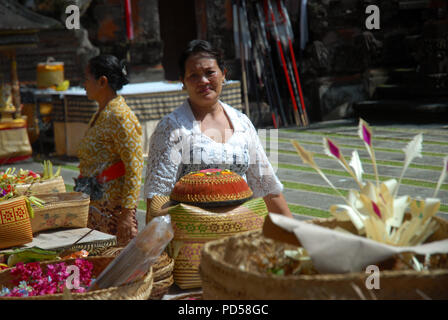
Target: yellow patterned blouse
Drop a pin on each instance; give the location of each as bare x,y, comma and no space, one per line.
116,135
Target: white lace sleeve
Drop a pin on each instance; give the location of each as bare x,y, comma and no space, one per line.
161,171
260,175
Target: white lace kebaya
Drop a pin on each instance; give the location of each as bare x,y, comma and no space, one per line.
178,147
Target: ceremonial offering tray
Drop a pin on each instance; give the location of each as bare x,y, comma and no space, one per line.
233,269
139,289
29,182
211,188
61,210
376,230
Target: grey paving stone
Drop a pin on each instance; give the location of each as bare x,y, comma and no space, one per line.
395,147
434,128
141,219
363,154
430,135
315,200
388,171
347,183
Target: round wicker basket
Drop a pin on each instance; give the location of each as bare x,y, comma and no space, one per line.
136,290
163,268
161,287
163,276
223,278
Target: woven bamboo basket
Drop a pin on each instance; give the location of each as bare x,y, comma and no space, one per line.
54,185
15,224
61,210
163,276
161,287
223,279
194,226
136,290
163,268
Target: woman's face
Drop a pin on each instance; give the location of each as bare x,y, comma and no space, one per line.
203,80
91,85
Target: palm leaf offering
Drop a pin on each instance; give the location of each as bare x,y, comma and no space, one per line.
48,170
375,209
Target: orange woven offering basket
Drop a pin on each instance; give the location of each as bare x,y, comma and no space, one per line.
15,224
211,188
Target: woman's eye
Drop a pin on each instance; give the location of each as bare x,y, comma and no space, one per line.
193,77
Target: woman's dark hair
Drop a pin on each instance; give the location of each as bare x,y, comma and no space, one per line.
109,66
203,47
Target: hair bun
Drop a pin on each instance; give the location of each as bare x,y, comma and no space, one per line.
123,68
124,72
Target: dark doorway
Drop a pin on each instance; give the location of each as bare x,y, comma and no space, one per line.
177,28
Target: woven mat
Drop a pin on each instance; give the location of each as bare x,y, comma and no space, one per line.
65,238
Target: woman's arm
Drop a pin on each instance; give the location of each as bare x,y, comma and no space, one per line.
276,203
163,162
261,176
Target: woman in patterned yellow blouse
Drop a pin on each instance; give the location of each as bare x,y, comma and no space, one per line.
110,153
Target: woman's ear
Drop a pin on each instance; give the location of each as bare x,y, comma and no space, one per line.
224,73
103,81
181,79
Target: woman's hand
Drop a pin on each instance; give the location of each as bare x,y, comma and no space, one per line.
127,226
276,203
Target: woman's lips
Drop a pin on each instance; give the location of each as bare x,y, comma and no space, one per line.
205,90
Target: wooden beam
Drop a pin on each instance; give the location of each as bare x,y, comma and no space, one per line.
201,19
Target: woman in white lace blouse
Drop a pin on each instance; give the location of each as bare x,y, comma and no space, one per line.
207,133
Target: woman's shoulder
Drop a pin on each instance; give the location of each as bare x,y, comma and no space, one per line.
119,109
178,118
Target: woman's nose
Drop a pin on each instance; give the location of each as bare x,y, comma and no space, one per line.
204,79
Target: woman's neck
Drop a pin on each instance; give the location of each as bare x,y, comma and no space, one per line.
201,112
105,98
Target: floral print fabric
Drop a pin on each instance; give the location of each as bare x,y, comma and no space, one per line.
115,135
178,147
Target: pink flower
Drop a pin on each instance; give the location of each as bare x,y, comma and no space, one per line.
29,279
